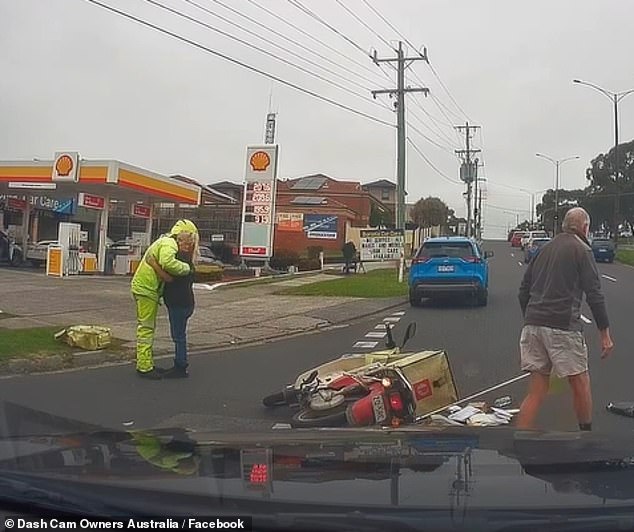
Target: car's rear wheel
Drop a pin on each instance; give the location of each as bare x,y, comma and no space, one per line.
414,300
482,298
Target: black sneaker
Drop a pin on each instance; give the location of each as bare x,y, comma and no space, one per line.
153,374
177,372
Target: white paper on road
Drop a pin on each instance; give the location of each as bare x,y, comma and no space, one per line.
464,413
376,334
585,320
365,345
609,278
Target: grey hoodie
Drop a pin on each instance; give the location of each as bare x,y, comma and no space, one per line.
552,290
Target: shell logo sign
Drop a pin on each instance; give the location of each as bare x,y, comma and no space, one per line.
260,161
65,166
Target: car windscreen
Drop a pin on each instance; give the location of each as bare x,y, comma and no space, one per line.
447,249
539,242
602,244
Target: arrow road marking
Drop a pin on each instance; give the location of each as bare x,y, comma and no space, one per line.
585,320
365,345
609,278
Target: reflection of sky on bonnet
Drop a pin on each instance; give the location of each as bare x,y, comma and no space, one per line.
77,77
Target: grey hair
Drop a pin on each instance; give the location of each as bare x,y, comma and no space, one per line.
575,219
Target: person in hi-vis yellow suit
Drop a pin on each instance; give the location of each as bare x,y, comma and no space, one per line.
147,288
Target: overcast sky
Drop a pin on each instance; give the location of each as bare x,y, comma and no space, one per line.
74,76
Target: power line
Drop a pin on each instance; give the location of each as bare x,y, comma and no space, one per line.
298,5
293,41
259,49
378,14
238,62
312,37
447,90
432,141
432,165
509,209
363,23
258,36
438,129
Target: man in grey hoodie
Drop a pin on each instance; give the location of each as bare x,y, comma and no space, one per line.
550,296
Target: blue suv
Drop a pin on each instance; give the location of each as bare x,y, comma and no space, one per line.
449,265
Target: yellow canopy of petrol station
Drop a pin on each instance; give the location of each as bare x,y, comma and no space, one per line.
106,180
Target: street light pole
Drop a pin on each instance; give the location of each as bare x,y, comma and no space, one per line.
615,97
557,163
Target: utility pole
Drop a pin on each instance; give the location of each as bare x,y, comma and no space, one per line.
402,63
468,171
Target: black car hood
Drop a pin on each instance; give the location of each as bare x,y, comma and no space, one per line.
439,473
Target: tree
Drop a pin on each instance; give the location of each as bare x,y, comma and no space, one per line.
430,212
567,200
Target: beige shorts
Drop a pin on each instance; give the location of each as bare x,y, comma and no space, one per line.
543,350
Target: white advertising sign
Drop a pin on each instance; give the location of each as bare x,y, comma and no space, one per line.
258,207
381,244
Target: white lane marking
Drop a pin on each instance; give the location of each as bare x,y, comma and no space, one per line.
519,262
380,326
203,286
400,313
365,345
585,320
392,319
513,255
609,278
376,334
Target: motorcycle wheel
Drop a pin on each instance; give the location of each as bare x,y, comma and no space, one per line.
310,418
275,399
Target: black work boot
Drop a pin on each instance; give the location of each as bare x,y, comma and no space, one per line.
177,372
153,374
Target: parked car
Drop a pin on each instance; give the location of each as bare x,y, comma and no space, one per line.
206,256
449,266
534,246
516,239
530,236
603,249
36,253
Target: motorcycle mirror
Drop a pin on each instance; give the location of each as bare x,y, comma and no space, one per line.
311,377
390,343
410,332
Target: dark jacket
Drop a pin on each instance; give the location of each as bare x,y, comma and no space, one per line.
555,281
180,292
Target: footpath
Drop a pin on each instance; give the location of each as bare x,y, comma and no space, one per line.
225,316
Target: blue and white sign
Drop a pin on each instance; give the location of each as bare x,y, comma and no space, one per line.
58,205
322,226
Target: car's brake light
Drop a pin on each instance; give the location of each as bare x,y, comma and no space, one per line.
421,260
396,403
473,259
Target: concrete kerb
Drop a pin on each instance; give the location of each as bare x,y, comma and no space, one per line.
266,279
96,359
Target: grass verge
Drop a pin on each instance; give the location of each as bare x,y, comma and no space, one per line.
376,283
38,342
626,256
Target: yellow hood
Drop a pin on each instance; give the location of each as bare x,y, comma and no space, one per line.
183,226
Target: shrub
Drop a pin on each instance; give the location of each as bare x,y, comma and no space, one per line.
284,258
314,251
305,265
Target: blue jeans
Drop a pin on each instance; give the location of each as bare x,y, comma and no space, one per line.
178,329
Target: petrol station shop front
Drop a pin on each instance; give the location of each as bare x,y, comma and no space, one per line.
72,200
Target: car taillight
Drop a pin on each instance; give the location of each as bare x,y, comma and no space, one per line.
421,260
473,259
396,403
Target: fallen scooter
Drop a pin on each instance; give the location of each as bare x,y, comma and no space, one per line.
387,387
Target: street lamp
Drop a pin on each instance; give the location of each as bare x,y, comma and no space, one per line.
615,98
557,163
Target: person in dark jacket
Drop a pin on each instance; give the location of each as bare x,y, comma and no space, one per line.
550,297
178,296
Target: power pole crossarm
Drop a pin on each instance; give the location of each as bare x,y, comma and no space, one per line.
402,63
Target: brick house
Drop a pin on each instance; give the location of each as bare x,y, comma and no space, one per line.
317,210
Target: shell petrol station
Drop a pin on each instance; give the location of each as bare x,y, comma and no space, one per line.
68,200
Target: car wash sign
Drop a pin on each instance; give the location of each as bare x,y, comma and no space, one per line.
381,244
258,207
